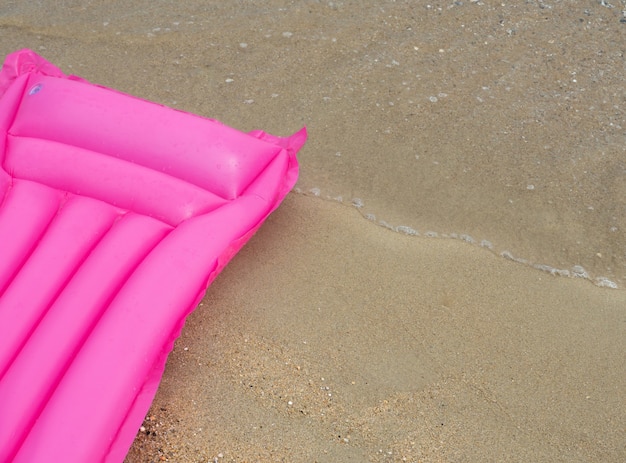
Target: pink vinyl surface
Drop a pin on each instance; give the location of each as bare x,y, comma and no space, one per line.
115,216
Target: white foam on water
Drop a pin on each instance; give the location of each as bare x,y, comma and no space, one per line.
605,283
577,271
388,226
358,203
406,230
467,238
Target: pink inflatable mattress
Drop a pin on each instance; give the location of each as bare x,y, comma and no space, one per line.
115,216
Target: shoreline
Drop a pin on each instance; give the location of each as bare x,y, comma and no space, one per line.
377,342
576,271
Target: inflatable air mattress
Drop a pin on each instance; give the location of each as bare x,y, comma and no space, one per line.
115,216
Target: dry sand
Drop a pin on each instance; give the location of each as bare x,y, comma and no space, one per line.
332,337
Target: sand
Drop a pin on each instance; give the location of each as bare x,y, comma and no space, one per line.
437,288
331,339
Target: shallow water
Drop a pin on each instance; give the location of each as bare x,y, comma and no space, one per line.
502,125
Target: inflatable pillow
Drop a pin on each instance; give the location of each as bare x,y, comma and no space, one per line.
115,216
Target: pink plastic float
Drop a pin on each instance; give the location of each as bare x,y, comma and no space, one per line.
115,216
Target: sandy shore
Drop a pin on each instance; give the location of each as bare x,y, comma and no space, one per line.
331,339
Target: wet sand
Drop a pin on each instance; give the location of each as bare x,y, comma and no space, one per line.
336,335
330,340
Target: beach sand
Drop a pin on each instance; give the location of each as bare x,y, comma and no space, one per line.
332,340
452,315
